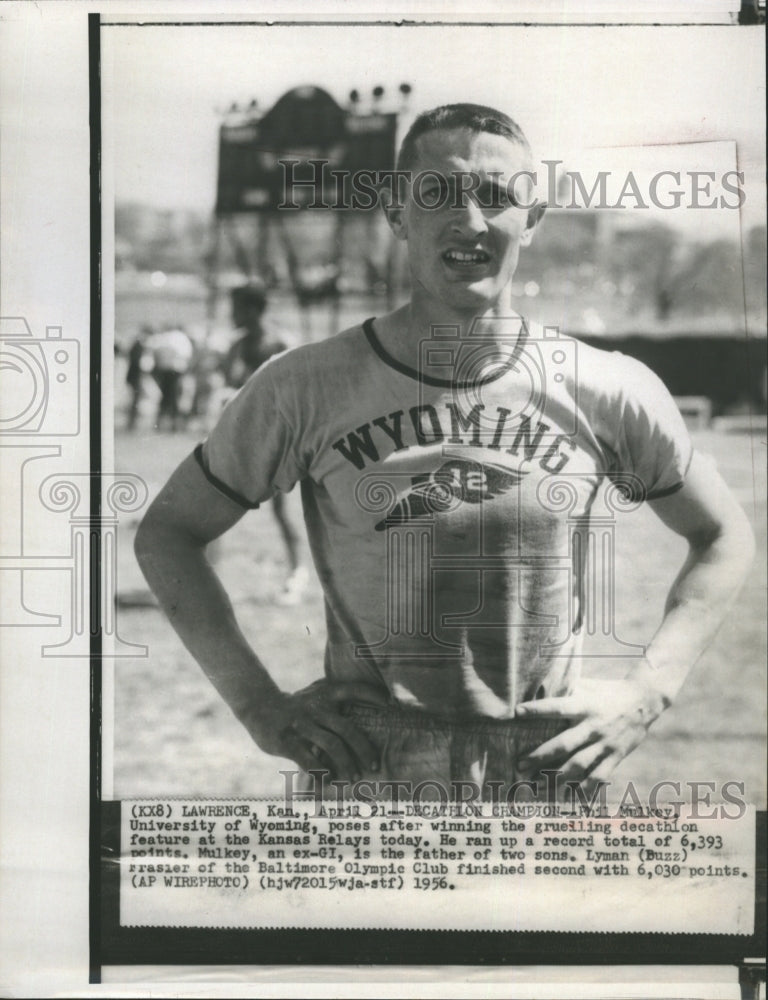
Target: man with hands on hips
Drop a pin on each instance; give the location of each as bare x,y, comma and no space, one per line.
454,598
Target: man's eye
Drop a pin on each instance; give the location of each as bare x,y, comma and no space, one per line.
496,196
433,195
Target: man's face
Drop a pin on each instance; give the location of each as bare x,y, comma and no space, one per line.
464,235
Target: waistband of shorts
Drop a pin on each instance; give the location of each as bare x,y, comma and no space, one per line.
395,716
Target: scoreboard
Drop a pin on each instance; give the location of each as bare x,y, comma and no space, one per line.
265,162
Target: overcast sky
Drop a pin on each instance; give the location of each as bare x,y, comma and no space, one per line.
571,89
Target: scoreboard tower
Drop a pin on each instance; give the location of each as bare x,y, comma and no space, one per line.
292,172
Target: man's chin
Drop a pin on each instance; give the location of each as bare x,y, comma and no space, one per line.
482,294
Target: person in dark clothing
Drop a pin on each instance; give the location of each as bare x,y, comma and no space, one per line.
139,363
172,350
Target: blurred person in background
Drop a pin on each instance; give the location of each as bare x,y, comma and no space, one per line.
140,363
172,351
255,340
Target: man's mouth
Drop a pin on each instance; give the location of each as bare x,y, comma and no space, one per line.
466,258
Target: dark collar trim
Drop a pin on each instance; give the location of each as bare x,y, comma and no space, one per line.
444,383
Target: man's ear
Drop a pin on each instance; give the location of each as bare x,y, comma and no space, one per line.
535,215
395,213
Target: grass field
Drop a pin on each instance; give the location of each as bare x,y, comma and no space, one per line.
173,735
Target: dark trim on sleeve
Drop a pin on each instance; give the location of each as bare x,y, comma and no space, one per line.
659,494
222,487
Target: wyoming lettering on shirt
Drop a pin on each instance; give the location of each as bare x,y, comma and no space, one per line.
447,516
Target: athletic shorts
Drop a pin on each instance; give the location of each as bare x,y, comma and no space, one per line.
449,757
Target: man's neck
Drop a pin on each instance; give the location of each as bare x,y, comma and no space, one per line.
406,332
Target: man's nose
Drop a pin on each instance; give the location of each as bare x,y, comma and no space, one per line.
467,218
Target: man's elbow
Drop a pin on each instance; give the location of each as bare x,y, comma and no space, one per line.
155,534
147,540
746,541
732,539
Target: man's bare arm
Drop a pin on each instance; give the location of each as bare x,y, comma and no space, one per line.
306,726
722,548
606,726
